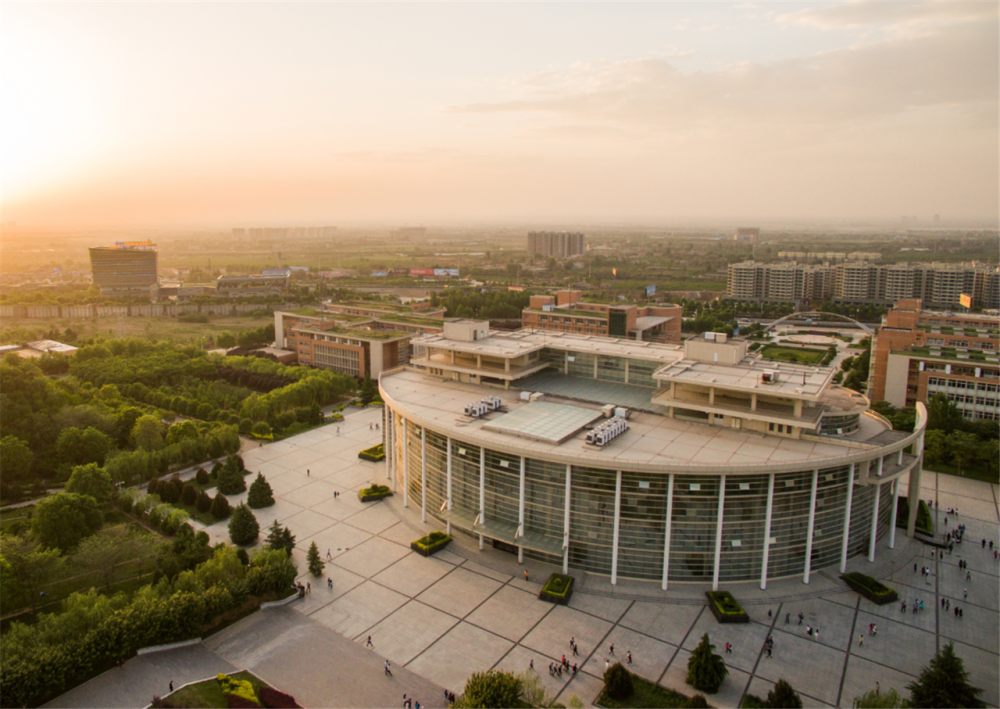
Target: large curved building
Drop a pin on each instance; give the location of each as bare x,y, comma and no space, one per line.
707,463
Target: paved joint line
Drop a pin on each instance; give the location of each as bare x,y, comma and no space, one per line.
681,644
847,654
760,654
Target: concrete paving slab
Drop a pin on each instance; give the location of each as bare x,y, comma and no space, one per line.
747,640
401,534
649,656
803,662
517,660
312,494
451,558
552,634
345,505
412,574
984,671
322,595
909,647
834,620
337,539
486,571
463,650
862,674
371,556
608,608
729,693
760,687
409,631
374,518
359,609
665,622
459,592
356,475
584,686
307,523
977,627
510,613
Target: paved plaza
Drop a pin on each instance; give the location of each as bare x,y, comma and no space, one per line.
439,619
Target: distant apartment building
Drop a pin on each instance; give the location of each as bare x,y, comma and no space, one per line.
559,244
566,312
284,232
918,353
863,282
352,339
129,268
749,235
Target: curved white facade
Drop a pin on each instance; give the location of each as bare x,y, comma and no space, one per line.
644,515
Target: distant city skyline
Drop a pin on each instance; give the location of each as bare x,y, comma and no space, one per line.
242,115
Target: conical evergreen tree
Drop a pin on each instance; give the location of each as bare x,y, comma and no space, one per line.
279,537
316,564
243,526
944,683
260,494
231,480
220,506
706,670
783,697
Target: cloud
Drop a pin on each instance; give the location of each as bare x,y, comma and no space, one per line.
954,68
863,13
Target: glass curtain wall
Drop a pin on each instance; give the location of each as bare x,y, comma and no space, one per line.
789,523
415,471
831,497
642,525
640,372
437,471
743,521
592,518
465,477
502,487
545,498
582,365
692,532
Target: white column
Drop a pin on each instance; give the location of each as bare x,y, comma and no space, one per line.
423,474
899,458
871,542
845,536
482,491
520,513
767,531
569,476
809,530
718,533
390,472
666,536
387,434
448,482
614,542
892,513
406,465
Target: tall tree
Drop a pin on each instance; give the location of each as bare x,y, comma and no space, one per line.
316,564
260,494
15,459
91,479
783,697
107,549
148,433
706,670
944,683
279,537
63,520
26,567
243,526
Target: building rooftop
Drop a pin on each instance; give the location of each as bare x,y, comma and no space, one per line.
788,380
653,441
359,333
521,342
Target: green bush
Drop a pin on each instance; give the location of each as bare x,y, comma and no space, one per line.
204,502
696,701
618,682
374,454
231,480
870,588
260,494
374,491
558,585
189,494
220,506
243,526
201,477
726,603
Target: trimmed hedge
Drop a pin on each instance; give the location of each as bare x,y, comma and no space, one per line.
431,544
276,699
873,590
373,493
725,608
557,589
925,521
374,454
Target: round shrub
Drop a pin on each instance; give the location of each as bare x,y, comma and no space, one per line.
126,502
246,426
201,477
152,486
618,682
261,429
231,480
260,494
242,555
204,502
696,701
216,469
169,492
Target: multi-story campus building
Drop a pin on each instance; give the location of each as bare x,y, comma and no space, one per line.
353,338
731,468
937,284
918,353
566,312
749,235
561,244
126,269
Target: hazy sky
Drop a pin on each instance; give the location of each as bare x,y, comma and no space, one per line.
253,114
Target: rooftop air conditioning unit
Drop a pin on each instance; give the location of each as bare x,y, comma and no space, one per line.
608,410
526,396
623,413
535,396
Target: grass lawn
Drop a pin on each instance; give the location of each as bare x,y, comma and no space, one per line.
646,694
792,354
983,471
209,693
9,517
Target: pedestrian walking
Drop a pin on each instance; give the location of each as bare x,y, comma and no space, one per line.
861,641
309,587
968,575
388,671
729,649
329,556
768,612
368,642
525,574
531,667
788,617
809,630
802,616
965,594
878,688
816,634
612,648
607,664
629,660
308,474
329,583
984,542
171,685
416,704
574,669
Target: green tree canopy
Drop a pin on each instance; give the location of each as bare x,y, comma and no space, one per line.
148,433
487,690
91,479
316,564
63,520
243,526
107,549
944,683
15,459
79,447
25,567
706,670
783,697
279,537
260,494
